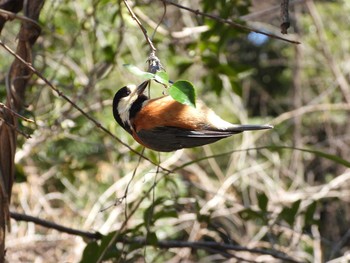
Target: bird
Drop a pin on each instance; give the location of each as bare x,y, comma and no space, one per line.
165,125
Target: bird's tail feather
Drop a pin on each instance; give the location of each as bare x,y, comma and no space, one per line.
248,127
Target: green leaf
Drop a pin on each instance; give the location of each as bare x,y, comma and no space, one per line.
20,175
203,218
162,77
151,238
138,72
262,201
166,212
309,214
89,254
112,251
288,214
183,92
149,212
108,53
250,214
93,250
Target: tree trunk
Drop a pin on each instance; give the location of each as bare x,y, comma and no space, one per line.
16,83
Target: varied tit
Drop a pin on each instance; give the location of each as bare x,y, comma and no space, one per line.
165,125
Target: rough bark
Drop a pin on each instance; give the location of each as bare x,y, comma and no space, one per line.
16,83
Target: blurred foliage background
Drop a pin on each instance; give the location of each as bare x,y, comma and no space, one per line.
257,190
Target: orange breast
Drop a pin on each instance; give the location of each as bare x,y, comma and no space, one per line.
165,111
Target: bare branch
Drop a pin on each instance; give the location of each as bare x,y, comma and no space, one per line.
230,22
3,106
213,245
7,15
285,23
221,248
52,225
144,31
13,127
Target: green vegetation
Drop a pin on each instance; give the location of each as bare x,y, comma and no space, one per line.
282,193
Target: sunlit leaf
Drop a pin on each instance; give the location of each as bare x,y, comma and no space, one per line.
183,92
138,72
162,77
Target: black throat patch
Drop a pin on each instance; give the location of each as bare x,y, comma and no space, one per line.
137,105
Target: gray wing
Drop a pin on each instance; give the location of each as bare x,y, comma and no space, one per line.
167,139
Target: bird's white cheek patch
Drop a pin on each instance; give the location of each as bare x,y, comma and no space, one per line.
124,112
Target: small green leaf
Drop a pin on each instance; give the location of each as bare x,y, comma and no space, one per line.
108,53
20,175
289,214
162,77
203,218
183,92
93,250
262,201
250,214
166,212
151,238
309,214
89,253
138,72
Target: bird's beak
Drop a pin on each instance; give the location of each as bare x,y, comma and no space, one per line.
141,88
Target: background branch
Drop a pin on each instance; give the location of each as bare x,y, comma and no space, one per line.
205,245
285,23
230,22
52,225
144,31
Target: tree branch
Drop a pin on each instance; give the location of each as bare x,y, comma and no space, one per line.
144,31
221,248
285,23
14,127
230,22
7,15
3,106
52,225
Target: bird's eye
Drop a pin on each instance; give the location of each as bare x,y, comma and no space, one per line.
126,92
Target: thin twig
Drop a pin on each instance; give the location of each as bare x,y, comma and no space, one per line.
269,11
285,23
327,53
144,31
15,128
97,124
212,245
160,21
230,22
52,225
10,16
3,106
219,247
125,222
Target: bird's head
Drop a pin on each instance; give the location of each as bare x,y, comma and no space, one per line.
127,102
